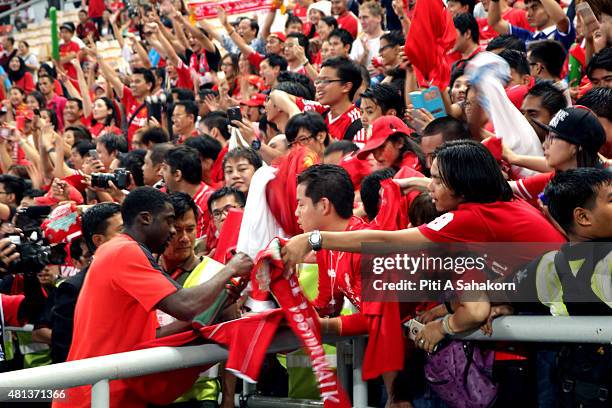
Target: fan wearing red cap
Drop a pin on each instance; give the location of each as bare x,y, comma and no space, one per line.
574,138
254,106
391,146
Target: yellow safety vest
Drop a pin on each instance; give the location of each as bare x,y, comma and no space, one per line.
206,388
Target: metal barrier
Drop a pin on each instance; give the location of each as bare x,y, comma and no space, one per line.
100,370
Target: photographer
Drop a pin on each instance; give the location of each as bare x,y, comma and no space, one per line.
11,193
17,310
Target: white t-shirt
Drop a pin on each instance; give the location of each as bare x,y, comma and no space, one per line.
357,50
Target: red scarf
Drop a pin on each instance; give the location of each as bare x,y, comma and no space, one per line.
303,319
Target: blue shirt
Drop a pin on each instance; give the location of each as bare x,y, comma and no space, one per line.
551,33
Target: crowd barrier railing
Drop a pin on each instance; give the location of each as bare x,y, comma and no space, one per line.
98,371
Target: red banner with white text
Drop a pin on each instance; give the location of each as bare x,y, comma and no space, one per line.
204,9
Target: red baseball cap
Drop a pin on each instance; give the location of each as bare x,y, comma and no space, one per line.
382,128
278,34
255,100
256,81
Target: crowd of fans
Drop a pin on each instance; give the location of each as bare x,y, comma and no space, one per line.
328,123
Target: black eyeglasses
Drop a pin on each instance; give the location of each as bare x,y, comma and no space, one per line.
381,49
301,141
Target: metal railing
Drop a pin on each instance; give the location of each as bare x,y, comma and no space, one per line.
100,370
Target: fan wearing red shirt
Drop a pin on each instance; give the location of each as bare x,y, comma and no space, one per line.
19,76
467,184
345,18
182,172
142,84
391,146
180,74
515,16
336,85
184,116
325,197
103,118
68,50
124,287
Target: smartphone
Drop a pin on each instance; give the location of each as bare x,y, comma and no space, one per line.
93,153
588,17
20,123
5,132
234,113
414,327
15,239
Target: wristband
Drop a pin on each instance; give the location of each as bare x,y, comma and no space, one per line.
446,325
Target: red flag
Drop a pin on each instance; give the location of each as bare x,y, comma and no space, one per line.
281,191
432,34
228,236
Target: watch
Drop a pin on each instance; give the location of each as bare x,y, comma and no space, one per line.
256,144
315,240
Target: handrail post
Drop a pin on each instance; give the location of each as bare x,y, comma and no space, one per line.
100,394
360,388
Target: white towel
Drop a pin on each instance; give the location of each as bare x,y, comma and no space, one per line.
488,73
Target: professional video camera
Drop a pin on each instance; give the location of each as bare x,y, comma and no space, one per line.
120,178
158,104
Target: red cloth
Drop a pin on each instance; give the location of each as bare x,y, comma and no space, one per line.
500,221
530,187
96,8
201,201
10,309
216,172
281,191
432,29
248,339
514,16
303,320
393,209
356,168
228,237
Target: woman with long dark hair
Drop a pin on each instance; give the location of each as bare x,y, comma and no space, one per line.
19,76
104,118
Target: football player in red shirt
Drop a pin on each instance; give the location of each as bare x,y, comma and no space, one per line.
117,311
